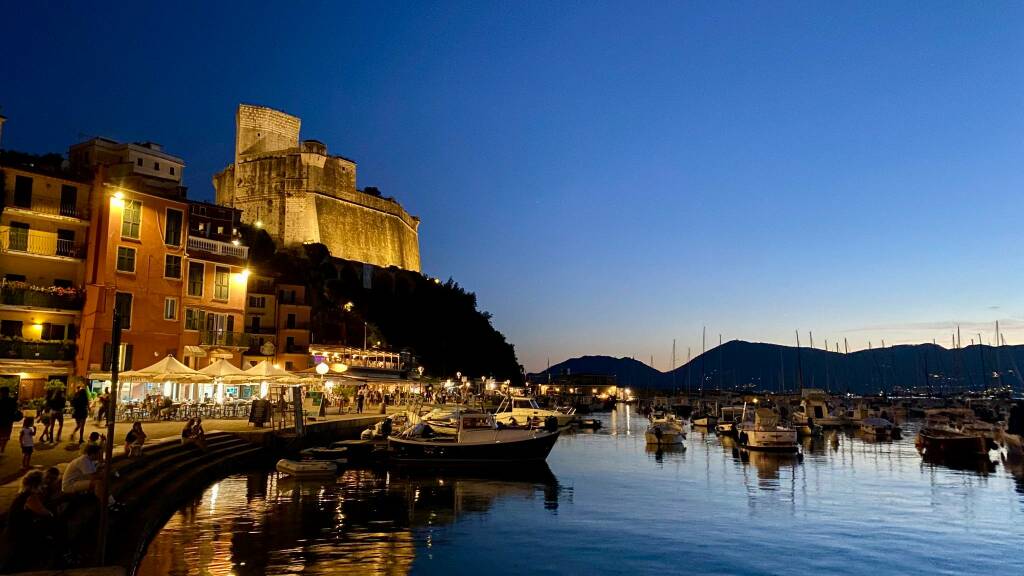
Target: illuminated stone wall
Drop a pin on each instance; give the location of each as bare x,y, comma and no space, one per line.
299,193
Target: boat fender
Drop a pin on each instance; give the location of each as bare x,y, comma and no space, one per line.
551,423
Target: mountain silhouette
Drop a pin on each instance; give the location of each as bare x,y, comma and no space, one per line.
772,367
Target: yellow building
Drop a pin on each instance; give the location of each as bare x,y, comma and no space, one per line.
43,226
277,318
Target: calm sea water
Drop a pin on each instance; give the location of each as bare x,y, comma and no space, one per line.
607,504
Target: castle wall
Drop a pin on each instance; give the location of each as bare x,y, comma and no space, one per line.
298,193
260,130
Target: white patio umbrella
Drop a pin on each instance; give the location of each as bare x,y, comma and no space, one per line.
166,369
225,370
266,371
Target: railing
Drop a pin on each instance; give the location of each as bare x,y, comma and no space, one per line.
40,243
31,350
52,207
221,338
261,330
23,295
218,247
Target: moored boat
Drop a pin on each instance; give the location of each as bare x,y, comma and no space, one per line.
952,434
879,429
765,433
306,468
523,410
665,430
478,440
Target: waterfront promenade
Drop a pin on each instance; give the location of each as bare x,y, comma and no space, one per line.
60,454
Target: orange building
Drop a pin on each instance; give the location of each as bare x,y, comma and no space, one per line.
277,319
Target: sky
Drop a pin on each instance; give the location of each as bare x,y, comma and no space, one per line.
606,177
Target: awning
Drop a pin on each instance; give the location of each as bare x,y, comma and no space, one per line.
195,351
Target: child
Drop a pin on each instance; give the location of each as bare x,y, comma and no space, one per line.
46,421
27,439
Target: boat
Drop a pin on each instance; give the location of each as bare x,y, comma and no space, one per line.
445,419
879,429
479,439
953,434
814,411
665,430
726,425
765,433
523,410
306,468
337,455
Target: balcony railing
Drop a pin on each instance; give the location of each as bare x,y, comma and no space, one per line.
19,294
40,244
220,338
51,207
261,330
218,247
32,350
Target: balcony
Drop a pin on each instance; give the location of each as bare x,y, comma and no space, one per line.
218,248
24,294
51,207
40,244
221,338
36,350
261,330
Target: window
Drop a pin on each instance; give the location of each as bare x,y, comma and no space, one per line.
52,331
66,243
255,324
195,279
69,201
172,233
194,319
23,191
291,321
172,266
170,308
156,166
131,219
124,357
138,161
17,238
289,365
10,328
257,301
289,344
125,259
221,283
172,170
123,306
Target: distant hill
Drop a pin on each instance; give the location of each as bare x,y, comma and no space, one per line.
772,367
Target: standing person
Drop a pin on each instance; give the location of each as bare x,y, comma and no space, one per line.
104,406
8,416
360,398
57,405
27,439
80,412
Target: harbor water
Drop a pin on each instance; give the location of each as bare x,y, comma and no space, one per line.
608,504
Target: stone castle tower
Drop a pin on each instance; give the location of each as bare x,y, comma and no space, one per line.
298,193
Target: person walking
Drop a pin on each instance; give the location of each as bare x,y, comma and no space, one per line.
27,439
57,404
8,416
104,406
80,413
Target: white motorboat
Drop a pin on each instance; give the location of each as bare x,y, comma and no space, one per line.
306,468
479,440
665,430
879,429
765,433
727,420
523,410
814,411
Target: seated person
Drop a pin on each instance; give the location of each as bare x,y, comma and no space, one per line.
134,440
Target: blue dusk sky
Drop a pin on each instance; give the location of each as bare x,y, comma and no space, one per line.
606,176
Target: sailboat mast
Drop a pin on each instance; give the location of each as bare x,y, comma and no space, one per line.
799,366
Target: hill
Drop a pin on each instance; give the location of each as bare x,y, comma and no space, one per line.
772,367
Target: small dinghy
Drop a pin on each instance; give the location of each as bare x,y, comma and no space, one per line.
306,468
338,455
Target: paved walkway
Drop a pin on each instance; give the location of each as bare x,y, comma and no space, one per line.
59,455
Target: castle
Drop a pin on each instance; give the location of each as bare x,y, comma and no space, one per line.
299,194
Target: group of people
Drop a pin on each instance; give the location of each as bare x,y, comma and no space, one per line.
193,433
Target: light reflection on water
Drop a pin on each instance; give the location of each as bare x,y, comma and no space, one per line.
610,504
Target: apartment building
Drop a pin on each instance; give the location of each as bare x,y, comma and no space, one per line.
44,220
277,319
